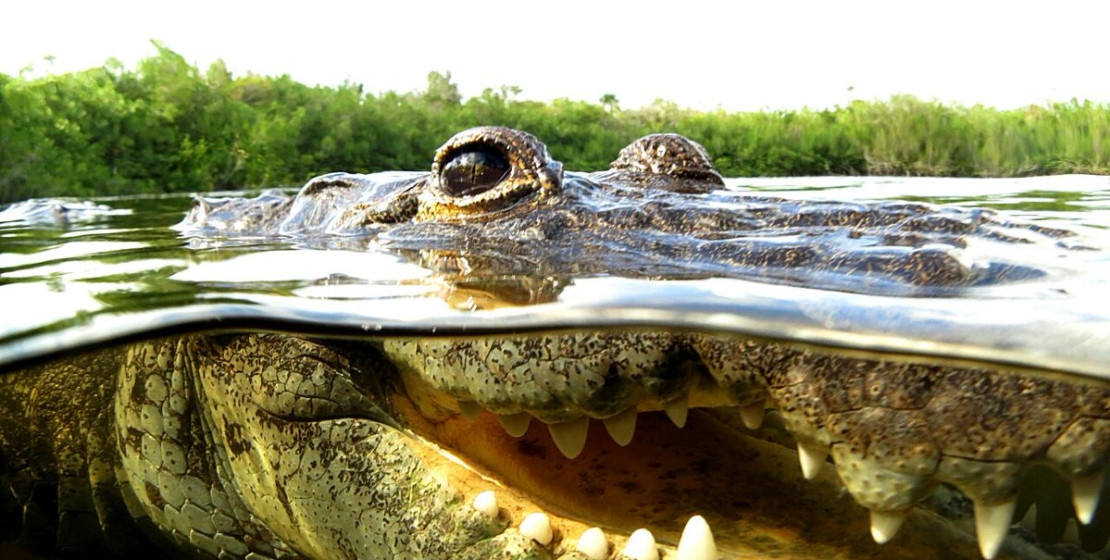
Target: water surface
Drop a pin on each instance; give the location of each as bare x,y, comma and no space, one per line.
81,273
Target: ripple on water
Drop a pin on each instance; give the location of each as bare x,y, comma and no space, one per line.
77,268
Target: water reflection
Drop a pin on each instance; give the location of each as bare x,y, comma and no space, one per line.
76,265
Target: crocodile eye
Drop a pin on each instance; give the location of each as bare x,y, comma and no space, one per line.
669,162
485,170
473,170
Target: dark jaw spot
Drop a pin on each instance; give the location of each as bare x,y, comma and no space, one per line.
529,448
236,443
154,496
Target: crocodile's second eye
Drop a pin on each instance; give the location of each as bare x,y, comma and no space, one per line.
473,170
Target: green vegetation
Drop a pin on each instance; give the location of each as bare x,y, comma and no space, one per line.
166,126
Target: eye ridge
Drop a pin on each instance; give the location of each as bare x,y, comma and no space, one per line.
486,170
474,170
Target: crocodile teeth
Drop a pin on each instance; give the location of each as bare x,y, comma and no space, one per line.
677,410
641,546
812,457
1085,491
592,544
486,502
752,415
570,437
470,409
515,424
537,527
992,522
621,427
697,541
885,524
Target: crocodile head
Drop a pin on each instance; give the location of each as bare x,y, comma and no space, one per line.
279,444
500,222
496,206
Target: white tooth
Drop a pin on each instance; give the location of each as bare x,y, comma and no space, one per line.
592,544
470,409
885,524
537,527
812,456
486,502
570,437
622,426
752,415
992,522
697,541
677,410
1085,491
641,546
515,424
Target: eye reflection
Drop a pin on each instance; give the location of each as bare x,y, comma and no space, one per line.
473,170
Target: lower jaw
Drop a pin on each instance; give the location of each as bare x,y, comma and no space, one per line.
751,492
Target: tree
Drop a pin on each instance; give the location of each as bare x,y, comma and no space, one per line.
441,93
609,102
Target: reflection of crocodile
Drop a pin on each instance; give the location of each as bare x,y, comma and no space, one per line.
282,446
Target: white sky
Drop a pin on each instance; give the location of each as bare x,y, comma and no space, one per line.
698,53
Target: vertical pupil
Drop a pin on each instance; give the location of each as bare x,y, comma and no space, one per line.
473,170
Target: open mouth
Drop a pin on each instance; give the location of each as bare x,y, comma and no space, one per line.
707,476
751,493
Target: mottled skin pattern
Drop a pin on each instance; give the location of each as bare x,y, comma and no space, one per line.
275,446
537,222
257,445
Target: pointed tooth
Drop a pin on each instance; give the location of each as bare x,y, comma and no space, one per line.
570,437
697,541
992,522
752,415
486,502
1085,491
677,410
537,526
641,546
470,409
592,544
622,426
885,524
515,424
812,457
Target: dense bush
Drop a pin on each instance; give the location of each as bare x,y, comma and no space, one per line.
166,126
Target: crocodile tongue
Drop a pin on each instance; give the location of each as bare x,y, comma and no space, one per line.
752,493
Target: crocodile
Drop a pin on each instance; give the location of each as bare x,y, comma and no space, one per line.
572,442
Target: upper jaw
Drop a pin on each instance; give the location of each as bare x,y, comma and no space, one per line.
895,429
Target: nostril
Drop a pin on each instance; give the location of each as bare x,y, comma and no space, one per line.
473,170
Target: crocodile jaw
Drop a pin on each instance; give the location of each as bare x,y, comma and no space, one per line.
896,428
291,446
752,492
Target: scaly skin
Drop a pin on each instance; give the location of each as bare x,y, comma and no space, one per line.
225,445
536,222
283,447
280,446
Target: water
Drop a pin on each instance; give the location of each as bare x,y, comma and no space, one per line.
116,269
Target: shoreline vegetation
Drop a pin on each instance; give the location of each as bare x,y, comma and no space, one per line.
166,126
